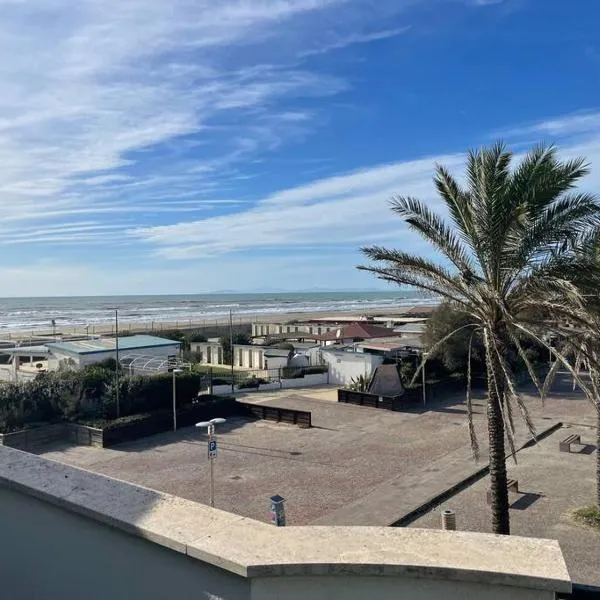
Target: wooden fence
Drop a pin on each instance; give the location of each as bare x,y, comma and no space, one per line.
302,418
413,396
364,399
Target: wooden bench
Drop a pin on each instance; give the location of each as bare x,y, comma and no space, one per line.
565,445
512,485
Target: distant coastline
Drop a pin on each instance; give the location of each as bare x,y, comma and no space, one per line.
79,315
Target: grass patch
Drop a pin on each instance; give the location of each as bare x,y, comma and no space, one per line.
587,515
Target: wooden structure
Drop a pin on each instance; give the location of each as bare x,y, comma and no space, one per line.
301,418
565,445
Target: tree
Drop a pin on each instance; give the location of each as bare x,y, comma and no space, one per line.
454,351
506,253
240,338
578,335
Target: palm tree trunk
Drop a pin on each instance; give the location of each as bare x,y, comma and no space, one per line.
598,455
498,478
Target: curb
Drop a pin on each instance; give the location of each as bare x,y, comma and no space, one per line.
480,473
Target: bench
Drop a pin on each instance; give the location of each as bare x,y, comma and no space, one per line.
565,445
512,485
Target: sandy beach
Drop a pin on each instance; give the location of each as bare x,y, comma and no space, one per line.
201,324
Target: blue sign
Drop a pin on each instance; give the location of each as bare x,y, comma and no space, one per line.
212,448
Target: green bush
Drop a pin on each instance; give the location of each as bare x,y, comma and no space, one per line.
588,515
90,393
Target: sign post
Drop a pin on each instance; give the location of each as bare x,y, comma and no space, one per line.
212,454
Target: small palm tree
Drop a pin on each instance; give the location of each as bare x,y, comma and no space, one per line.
507,255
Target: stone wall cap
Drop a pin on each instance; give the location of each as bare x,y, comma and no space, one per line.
253,549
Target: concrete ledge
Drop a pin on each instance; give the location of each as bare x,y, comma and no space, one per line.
253,549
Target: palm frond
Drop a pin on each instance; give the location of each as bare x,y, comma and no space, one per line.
433,229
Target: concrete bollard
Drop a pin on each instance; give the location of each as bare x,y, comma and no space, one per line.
449,520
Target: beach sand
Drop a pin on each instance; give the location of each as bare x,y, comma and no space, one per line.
239,321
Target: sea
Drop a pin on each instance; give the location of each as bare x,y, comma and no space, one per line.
32,314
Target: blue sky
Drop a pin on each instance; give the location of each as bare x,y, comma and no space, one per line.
200,145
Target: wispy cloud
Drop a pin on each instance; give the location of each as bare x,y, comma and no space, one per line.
344,210
358,38
110,107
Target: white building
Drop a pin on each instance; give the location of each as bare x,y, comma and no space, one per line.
253,357
86,352
346,364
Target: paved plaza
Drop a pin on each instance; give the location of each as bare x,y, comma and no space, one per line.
364,466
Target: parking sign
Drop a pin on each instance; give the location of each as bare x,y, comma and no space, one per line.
212,449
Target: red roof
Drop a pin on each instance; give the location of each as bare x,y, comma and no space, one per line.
358,331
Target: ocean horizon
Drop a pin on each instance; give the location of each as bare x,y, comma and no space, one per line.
69,311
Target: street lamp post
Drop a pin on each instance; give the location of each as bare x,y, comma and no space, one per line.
175,371
212,452
424,358
118,407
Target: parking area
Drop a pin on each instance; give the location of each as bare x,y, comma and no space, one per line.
352,467
551,485
365,466
347,453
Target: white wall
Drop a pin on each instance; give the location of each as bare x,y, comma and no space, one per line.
276,362
344,366
69,534
385,588
216,352
49,553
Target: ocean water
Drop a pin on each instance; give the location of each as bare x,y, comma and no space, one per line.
38,313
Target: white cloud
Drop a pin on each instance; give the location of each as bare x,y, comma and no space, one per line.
357,38
91,89
348,209
85,85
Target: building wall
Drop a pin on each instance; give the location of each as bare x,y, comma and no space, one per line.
212,352
248,357
344,366
51,553
384,588
259,329
69,534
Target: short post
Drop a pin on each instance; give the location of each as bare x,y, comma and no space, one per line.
280,380
277,512
449,520
424,358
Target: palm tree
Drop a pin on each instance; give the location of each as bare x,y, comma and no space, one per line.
580,337
507,254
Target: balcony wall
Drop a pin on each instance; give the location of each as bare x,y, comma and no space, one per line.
71,534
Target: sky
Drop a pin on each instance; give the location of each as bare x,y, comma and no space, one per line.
204,145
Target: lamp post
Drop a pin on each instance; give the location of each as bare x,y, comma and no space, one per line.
117,360
212,452
175,371
424,358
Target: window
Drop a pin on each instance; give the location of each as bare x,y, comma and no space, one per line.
220,355
240,363
250,353
208,354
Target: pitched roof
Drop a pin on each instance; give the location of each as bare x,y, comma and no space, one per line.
358,330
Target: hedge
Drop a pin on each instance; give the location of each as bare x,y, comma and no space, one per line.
90,394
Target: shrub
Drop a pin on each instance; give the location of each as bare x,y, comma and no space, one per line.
588,515
90,393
